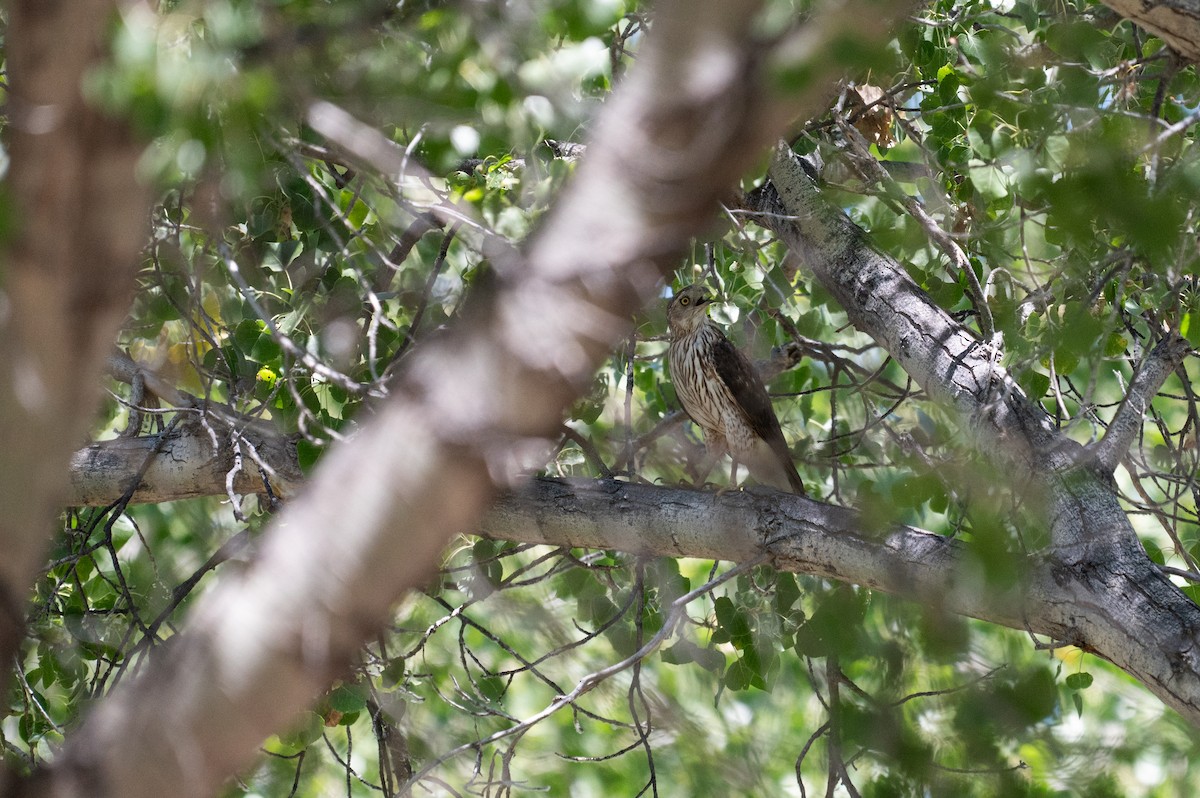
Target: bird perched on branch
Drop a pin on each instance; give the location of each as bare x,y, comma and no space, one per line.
722,392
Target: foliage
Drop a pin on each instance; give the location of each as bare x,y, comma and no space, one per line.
1055,144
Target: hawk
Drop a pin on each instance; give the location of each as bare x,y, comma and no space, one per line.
722,392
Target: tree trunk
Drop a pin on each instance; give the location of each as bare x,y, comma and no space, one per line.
67,274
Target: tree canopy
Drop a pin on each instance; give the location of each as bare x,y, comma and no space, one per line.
338,329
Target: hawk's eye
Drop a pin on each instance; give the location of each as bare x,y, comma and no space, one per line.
685,301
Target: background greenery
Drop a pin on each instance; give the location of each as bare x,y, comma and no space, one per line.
1055,142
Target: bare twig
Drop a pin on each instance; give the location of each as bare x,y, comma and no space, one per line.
592,680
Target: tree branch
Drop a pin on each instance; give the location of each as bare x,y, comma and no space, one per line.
1176,22
1114,600
873,172
213,451
184,464
797,534
1126,424
879,297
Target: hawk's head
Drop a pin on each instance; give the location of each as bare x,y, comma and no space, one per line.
688,309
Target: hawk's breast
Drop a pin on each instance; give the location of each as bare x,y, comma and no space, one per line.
702,391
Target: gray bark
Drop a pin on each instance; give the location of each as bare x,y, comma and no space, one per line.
797,533
1176,22
184,463
1110,598
207,450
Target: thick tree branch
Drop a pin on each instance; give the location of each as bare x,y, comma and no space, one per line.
212,451
879,297
874,173
797,533
185,463
1176,22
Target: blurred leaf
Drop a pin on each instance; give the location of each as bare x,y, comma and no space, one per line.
1079,681
348,698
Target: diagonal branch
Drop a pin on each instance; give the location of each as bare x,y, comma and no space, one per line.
1126,424
874,172
879,297
1124,607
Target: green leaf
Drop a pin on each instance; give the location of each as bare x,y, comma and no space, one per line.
734,622
990,181
1035,383
787,593
246,335
492,688
738,675
483,549
1079,681
348,698
1190,328
393,673
307,454
663,574
948,83
266,349
685,651
307,731
1079,40
1153,552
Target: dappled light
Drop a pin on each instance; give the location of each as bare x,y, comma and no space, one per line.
350,444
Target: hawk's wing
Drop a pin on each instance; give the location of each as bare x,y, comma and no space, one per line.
739,375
